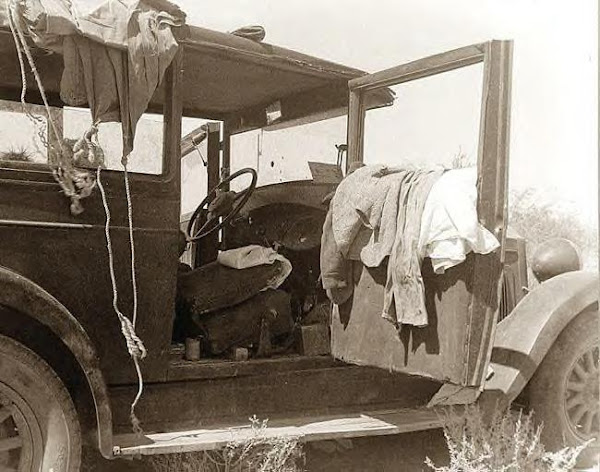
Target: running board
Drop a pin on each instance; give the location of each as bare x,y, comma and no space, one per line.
305,429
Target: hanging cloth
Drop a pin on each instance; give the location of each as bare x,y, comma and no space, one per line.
115,57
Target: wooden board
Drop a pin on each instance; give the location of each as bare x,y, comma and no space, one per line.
305,429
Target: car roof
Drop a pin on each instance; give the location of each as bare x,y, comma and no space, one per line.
225,77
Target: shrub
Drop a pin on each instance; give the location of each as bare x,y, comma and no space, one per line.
508,442
20,154
258,453
538,221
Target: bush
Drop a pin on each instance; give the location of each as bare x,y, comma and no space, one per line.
259,453
20,154
538,221
508,442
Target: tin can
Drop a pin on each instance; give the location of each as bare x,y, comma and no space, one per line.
192,349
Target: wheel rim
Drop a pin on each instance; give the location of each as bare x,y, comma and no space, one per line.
20,436
582,396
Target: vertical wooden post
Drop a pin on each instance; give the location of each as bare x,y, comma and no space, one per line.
226,153
356,120
172,111
492,170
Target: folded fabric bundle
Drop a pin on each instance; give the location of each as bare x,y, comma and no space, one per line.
450,228
255,255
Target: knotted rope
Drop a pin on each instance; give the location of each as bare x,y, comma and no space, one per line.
135,346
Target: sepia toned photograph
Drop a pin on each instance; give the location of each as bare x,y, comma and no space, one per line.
299,236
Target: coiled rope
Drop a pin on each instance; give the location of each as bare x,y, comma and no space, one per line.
135,346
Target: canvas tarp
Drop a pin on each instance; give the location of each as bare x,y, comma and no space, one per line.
114,56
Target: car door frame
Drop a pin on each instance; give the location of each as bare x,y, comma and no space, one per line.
492,169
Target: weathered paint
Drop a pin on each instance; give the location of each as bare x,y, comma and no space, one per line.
463,304
24,296
525,336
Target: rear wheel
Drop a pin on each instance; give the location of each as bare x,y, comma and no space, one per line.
39,429
564,391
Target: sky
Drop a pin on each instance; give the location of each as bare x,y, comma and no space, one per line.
554,145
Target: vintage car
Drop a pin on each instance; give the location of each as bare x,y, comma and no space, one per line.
66,377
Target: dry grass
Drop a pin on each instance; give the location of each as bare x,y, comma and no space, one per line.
508,442
259,453
19,154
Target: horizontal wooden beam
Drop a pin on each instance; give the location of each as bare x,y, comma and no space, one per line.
421,68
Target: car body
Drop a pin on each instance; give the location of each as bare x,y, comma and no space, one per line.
56,296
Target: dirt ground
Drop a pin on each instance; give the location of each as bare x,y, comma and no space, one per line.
399,453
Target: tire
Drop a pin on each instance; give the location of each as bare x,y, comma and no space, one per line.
39,428
564,390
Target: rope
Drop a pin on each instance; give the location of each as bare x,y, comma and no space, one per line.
135,346
131,243
15,26
36,120
75,183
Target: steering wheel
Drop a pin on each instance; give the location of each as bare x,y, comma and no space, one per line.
238,201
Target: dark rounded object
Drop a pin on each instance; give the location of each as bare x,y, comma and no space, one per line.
554,257
564,394
39,428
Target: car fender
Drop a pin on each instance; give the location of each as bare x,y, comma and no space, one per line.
524,337
25,296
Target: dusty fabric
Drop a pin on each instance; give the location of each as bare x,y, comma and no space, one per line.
450,228
114,57
255,255
336,270
376,212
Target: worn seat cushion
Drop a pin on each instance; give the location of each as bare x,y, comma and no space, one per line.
214,286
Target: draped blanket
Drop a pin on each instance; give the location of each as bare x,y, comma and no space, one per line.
376,214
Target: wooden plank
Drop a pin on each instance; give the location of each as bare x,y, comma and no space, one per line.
356,122
217,368
270,394
421,68
172,111
304,429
